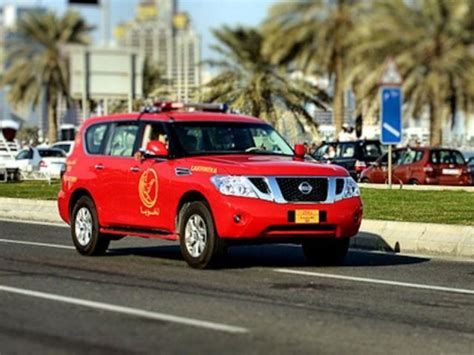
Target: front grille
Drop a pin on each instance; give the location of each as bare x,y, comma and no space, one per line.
260,184
289,188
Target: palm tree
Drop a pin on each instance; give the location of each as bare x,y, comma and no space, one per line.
252,85
37,69
432,42
154,85
314,36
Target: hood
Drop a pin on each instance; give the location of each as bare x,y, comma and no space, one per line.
267,165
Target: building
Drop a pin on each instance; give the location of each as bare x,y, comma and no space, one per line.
166,38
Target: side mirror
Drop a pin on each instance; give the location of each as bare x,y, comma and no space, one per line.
300,151
156,149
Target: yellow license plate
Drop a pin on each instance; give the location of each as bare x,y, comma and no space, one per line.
306,216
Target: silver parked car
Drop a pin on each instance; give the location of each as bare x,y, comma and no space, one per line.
50,161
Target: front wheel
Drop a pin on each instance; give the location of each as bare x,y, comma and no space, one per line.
326,251
85,229
200,245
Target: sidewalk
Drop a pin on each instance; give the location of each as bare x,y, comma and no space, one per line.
405,237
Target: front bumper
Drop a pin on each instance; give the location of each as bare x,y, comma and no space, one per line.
248,218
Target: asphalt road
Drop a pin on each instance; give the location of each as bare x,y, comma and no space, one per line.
143,298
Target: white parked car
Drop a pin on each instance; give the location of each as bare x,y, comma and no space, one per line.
48,160
67,146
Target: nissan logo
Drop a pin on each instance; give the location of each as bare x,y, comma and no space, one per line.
305,188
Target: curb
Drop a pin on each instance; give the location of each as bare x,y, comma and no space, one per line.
416,238
32,210
406,237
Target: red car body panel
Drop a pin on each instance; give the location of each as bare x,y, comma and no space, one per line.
115,190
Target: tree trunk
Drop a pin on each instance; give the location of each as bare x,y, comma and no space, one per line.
338,104
52,121
436,120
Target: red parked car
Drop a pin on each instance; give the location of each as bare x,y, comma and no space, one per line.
430,166
207,179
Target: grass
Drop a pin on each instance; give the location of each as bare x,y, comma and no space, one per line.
447,207
36,190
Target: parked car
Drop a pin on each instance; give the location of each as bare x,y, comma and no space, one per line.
430,166
355,156
469,157
207,179
49,160
66,146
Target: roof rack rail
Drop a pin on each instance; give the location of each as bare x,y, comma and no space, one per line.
167,106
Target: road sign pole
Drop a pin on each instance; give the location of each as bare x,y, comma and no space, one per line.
391,102
390,166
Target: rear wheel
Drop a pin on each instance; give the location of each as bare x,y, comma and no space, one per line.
200,245
413,182
85,229
326,251
365,180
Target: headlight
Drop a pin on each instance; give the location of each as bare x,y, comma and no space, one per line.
234,186
351,189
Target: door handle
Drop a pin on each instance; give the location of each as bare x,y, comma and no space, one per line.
99,167
135,169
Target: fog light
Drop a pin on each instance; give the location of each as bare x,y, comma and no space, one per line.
237,218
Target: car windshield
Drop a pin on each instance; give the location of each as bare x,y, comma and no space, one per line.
51,153
446,157
65,147
203,138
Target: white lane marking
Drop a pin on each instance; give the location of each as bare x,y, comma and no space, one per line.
51,224
57,246
391,130
126,310
377,281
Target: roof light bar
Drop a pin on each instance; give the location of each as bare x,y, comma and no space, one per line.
167,106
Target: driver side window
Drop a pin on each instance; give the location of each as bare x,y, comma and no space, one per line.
154,132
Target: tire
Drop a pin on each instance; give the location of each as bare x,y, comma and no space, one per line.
365,180
413,182
85,229
200,245
326,251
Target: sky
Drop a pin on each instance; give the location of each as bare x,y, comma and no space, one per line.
205,14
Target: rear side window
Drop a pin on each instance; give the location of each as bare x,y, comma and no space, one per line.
123,140
372,150
95,136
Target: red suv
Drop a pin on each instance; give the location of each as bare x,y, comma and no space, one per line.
431,166
207,179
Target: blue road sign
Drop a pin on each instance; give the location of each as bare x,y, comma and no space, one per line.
391,115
